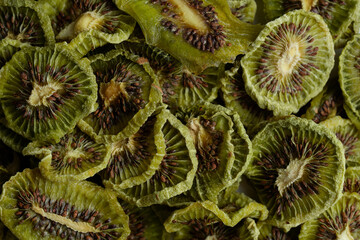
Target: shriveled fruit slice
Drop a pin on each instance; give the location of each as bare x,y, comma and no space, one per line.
237,99
134,159
326,104
352,180
289,62
341,221
197,222
349,136
175,173
200,34
11,139
297,170
44,92
349,76
127,96
35,208
244,10
268,232
75,157
180,87
23,21
89,24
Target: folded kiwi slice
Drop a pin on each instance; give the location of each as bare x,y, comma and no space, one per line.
179,85
127,96
75,157
297,169
45,91
341,221
200,34
349,136
244,10
176,171
352,180
289,63
33,207
268,232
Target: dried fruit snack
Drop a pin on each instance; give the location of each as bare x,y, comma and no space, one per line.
244,10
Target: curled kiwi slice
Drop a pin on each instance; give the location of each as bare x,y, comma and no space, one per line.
174,174
179,86
200,33
352,180
341,221
349,136
33,207
11,139
244,10
134,159
289,63
268,232
75,157
44,92
127,96
297,170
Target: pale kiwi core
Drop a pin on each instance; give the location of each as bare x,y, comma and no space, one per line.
111,91
289,59
40,94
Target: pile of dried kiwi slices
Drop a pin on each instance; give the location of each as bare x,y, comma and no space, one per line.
179,119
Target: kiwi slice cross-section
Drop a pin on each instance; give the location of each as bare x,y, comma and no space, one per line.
127,96
289,63
33,207
352,180
341,221
244,10
268,232
198,33
297,169
45,91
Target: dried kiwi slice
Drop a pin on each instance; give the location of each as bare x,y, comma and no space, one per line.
88,24
175,174
198,33
237,99
289,63
268,232
244,10
349,136
75,157
44,92
35,208
180,87
127,96
11,139
341,221
352,180
297,170
134,159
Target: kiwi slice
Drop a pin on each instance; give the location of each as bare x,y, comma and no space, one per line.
75,157
11,139
127,96
352,180
33,207
45,91
244,10
289,62
349,136
349,76
268,232
237,99
341,221
179,86
134,159
297,169
200,34
176,171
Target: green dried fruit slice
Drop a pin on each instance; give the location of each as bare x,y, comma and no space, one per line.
352,180
289,63
341,221
75,157
200,34
134,159
44,92
175,174
244,10
237,99
127,96
90,24
268,232
297,170
349,136
180,87
11,139
35,208
349,76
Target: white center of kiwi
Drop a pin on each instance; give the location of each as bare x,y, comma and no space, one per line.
308,4
74,153
289,59
83,227
128,144
345,234
40,94
111,91
211,237
198,132
190,16
294,171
